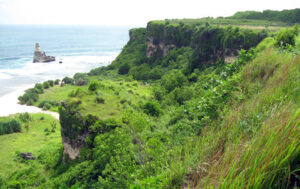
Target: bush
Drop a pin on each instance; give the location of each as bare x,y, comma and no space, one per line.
29,97
152,108
51,83
39,88
46,106
68,80
94,85
124,69
25,117
97,71
81,82
100,100
79,75
46,85
183,94
173,79
77,92
56,82
286,37
49,102
193,77
10,127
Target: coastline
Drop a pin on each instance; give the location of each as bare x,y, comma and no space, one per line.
42,72
9,105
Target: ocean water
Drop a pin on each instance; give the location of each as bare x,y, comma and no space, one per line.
81,48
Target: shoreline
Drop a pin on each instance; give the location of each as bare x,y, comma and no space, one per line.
9,101
11,106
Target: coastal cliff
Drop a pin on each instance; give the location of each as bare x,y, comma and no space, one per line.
74,129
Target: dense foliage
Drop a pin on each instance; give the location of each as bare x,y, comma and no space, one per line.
32,95
289,16
11,126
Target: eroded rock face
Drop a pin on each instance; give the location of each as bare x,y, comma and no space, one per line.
72,147
74,129
160,49
40,56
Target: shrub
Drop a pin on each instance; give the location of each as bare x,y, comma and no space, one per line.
173,79
100,100
29,97
77,92
10,127
51,83
94,85
81,82
183,94
286,37
53,126
124,69
46,85
193,77
25,117
56,82
123,101
39,88
97,71
49,102
68,80
46,106
152,108
79,75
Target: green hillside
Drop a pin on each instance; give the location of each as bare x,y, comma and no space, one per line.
184,105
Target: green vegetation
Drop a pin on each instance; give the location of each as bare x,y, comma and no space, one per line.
20,173
288,16
8,127
172,112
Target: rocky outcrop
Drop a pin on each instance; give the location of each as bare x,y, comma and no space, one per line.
72,147
160,49
27,155
74,129
40,56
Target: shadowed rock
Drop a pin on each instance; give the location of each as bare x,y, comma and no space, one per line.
27,155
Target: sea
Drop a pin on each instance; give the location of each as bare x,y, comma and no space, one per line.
80,48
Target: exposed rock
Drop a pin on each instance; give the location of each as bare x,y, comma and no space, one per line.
160,49
74,129
40,56
27,155
72,147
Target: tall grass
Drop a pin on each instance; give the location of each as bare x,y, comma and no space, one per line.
258,139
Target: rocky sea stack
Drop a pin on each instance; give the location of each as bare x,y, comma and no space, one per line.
40,56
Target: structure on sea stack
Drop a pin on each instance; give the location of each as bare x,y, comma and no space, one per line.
40,56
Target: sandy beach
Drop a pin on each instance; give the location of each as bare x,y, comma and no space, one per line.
9,105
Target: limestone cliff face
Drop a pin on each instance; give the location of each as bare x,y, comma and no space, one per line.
161,39
72,147
40,56
160,49
209,43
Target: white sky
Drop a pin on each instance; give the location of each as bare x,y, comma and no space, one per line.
126,12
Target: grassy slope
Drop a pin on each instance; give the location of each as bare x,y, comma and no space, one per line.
257,142
243,23
132,92
35,141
